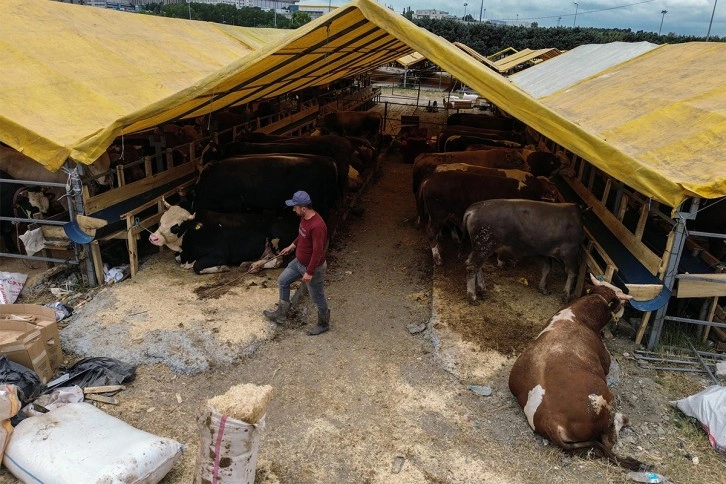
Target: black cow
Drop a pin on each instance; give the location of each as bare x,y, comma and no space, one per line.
484,122
336,148
445,196
253,183
209,241
523,228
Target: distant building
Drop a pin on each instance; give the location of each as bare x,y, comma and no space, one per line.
434,14
313,10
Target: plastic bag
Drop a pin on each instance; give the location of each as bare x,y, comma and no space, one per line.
708,407
100,371
11,283
25,379
61,310
9,406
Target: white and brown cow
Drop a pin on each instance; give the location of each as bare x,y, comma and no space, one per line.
522,228
560,379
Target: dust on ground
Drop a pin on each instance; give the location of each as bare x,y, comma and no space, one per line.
368,401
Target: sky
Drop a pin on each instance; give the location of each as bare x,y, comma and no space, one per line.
683,17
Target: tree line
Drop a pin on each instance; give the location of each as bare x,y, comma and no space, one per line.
227,14
487,38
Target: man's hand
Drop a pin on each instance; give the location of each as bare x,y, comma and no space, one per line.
287,249
307,277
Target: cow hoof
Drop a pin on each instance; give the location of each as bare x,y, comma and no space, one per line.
544,292
187,265
245,266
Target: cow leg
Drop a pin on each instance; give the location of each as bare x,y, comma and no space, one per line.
267,260
475,275
568,285
187,265
546,268
432,233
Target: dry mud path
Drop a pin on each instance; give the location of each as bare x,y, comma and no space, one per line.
367,401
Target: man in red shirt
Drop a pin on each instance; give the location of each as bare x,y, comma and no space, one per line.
309,263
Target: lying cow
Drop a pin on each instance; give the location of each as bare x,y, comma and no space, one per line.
445,196
523,228
209,242
560,379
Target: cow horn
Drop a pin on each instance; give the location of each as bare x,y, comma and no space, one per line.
618,292
191,216
166,204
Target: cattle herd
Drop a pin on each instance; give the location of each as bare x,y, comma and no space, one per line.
484,187
235,213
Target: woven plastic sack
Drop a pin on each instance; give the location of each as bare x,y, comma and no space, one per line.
227,449
709,408
80,444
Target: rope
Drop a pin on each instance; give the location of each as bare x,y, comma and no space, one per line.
267,259
137,223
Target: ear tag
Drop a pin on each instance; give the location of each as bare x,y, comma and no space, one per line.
198,225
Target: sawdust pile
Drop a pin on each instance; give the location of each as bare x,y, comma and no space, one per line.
247,402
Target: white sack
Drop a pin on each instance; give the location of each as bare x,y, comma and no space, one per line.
81,444
709,408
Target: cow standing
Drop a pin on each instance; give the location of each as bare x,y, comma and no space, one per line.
445,197
523,228
366,124
560,379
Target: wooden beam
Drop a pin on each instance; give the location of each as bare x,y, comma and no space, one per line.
701,285
649,259
112,197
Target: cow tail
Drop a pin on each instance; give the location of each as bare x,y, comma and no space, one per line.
602,451
464,231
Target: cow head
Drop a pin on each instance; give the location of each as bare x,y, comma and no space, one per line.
100,170
550,193
613,295
38,199
172,226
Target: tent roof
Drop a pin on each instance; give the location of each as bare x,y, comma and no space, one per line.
75,78
411,59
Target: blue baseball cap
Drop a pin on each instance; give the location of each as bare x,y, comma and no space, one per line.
299,198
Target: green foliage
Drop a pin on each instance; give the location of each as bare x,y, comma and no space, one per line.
227,14
488,38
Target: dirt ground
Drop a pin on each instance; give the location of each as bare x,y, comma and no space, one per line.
369,401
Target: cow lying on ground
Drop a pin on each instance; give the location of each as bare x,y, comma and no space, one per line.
560,379
445,196
523,228
209,242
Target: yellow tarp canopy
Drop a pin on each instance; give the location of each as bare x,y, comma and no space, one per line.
75,78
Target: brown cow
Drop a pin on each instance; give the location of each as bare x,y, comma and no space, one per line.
501,158
560,379
352,123
523,228
445,197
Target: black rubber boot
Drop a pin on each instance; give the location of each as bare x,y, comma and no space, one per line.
279,315
323,324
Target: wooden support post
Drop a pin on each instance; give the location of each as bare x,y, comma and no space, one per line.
131,245
640,228
97,261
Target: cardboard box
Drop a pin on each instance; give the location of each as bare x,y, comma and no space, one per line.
44,318
22,343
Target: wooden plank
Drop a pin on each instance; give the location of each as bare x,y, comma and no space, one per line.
104,389
641,329
646,257
97,261
644,292
701,285
640,228
112,197
102,399
711,312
